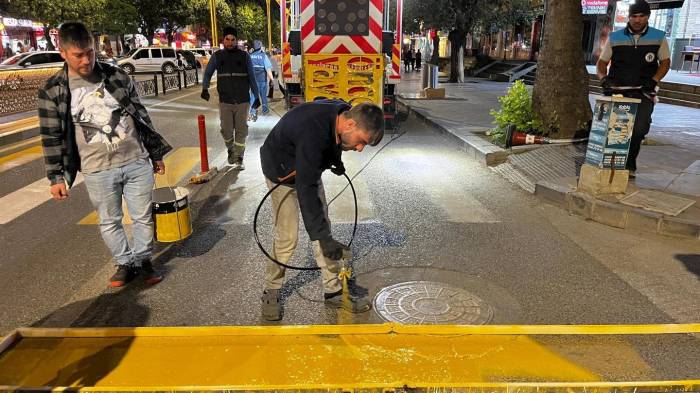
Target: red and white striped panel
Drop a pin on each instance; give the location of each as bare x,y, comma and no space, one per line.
341,44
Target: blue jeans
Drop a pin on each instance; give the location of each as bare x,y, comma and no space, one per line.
262,88
134,182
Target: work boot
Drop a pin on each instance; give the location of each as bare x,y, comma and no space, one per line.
124,274
271,306
354,304
239,164
231,157
151,276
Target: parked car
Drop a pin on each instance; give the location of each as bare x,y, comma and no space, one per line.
204,55
40,59
151,59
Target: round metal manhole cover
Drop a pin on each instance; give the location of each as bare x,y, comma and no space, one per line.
427,302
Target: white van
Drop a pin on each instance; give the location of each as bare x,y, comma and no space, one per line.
151,59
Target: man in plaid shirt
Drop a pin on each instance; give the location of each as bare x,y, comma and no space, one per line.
91,121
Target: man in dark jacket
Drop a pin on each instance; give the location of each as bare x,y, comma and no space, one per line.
91,120
305,142
235,77
640,57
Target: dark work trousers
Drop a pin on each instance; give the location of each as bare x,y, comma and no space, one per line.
642,123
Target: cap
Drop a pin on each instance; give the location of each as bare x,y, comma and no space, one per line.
640,7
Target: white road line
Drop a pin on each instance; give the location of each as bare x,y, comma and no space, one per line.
27,198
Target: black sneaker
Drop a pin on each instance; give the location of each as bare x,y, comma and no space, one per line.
271,306
124,274
354,304
151,276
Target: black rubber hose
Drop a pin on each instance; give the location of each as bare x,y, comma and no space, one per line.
270,257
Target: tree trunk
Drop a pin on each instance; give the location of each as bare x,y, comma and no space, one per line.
457,39
560,96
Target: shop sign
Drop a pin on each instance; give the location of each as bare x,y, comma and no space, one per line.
594,7
664,4
12,22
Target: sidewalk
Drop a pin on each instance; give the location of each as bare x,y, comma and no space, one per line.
669,161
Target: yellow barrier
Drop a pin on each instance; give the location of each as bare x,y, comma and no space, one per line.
376,358
353,78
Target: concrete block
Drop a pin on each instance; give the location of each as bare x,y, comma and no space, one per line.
580,204
610,214
643,220
596,181
679,227
552,192
434,93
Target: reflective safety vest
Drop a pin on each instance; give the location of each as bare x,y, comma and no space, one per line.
633,61
232,79
258,57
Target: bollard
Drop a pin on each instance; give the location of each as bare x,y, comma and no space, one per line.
203,144
206,173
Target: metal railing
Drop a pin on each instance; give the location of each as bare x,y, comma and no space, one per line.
19,88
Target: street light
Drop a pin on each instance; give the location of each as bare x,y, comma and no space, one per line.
214,28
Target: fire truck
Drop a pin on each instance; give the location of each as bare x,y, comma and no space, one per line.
341,49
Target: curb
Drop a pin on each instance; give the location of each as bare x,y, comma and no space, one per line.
614,214
476,147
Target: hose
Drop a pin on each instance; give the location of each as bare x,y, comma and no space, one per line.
273,259
354,197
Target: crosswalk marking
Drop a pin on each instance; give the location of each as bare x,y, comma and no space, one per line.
20,158
27,198
178,164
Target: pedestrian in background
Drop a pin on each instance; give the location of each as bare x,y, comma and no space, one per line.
638,55
419,59
262,70
305,142
407,59
91,120
235,78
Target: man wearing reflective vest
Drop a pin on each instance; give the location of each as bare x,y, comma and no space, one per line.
235,78
640,58
262,68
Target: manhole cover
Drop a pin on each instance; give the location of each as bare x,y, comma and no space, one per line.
427,302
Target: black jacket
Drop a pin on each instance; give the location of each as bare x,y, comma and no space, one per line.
304,140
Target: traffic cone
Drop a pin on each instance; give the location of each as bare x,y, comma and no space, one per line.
517,138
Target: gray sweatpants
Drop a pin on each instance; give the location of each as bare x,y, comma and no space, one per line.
234,126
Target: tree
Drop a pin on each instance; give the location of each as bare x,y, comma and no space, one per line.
54,12
560,96
250,20
117,17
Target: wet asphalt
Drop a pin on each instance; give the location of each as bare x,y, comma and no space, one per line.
427,213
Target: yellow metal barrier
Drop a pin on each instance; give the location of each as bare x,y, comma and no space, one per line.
353,78
367,358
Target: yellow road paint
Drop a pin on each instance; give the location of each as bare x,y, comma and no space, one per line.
19,125
380,357
177,165
20,158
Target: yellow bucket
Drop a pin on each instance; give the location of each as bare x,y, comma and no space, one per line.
171,214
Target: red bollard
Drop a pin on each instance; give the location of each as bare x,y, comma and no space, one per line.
204,156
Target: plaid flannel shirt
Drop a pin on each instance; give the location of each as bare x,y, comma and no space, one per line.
61,157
